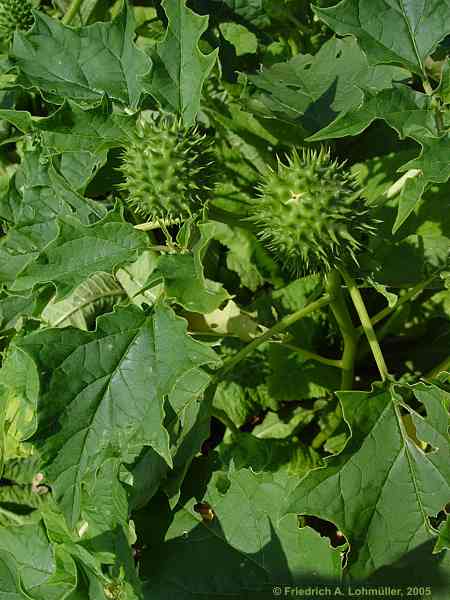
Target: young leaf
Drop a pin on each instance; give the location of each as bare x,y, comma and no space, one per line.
179,66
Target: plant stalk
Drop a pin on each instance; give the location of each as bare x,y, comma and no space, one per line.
348,332
283,324
72,11
366,323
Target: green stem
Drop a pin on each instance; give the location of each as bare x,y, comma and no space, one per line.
221,416
331,362
72,12
348,332
366,323
442,366
283,324
382,332
402,300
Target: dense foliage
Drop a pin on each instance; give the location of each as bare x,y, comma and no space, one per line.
224,298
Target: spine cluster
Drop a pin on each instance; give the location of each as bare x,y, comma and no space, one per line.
14,15
311,213
168,170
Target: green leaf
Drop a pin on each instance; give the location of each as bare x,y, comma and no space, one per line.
409,197
444,85
13,307
443,541
243,40
185,282
104,489
187,420
44,197
433,160
405,110
84,63
247,534
364,501
45,574
79,251
9,581
410,113
19,391
401,32
98,293
106,392
287,457
244,391
242,246
314,90
274,426
253,11
293,377
81,138
179,67
134,278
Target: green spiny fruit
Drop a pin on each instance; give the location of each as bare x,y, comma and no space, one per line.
311,214
168,170
14,14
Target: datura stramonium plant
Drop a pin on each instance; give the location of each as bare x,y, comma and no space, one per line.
311,214
168,170
14,15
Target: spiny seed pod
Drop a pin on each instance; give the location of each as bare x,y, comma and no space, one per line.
14,14
311,214
168,170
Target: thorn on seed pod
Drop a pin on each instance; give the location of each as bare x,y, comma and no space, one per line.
168,170
311,214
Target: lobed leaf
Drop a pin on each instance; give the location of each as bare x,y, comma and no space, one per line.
382,489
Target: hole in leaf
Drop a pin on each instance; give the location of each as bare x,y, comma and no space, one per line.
325,529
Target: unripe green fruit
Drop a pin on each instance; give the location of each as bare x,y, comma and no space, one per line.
168,170
311,214
14,14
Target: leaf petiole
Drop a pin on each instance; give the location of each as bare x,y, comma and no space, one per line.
283,324
366,323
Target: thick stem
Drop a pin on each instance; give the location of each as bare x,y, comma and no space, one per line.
366,323
348,332
72,12
277,328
